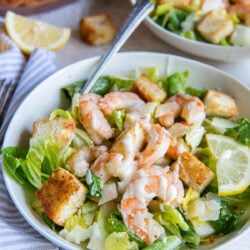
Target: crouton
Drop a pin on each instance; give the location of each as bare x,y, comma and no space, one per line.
60,128
61,196
97,29
219,104
214,27
193,172
148,90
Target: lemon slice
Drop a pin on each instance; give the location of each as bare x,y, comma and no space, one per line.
29,34
233,164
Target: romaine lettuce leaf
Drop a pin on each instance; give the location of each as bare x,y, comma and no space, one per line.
228,219
42,156
177,224
171,242
115,224
176,83
118,117
94,185
13,158
241,133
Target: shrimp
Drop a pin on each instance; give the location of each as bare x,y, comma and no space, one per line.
80,162
108,165
242,10
130,142
149,182
92,118
190,108
120,160
157,146
119,100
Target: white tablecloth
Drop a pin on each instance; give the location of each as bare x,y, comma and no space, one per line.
141,40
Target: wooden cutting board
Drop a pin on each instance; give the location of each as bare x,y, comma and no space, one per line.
28,10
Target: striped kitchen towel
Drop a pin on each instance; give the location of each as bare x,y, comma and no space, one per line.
15,232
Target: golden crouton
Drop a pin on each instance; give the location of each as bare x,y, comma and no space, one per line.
61,195
193,172
148,90
97,29
219,104
60,128
214,27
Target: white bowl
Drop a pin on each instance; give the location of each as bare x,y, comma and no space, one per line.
201,49
201,75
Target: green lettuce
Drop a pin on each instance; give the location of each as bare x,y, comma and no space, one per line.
172,242
115,224
94,185
176,83
118,116
13,159
103,85
33,165
228,219
177,224
241,133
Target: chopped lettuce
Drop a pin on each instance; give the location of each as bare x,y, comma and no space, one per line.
228,219
73,88
118,117
171,242
13,159
177,224
94,185
152,73
81,139
115,224
194,135
241,133
200,93
60,112
41,160
74,220
102,86
119,241
176,83
33,166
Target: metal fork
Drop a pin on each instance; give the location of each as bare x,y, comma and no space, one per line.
7,89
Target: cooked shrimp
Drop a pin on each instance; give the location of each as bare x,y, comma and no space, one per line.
151,182
107,165
92,118
157,146
120,160
119,100
242,10
130,142
80,162
190,108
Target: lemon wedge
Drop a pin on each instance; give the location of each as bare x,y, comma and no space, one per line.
29,34
233,164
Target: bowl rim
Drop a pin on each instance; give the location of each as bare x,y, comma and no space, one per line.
6,177
202,44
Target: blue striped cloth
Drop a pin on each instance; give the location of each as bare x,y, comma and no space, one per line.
15,232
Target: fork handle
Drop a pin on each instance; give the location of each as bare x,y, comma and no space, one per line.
140,10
